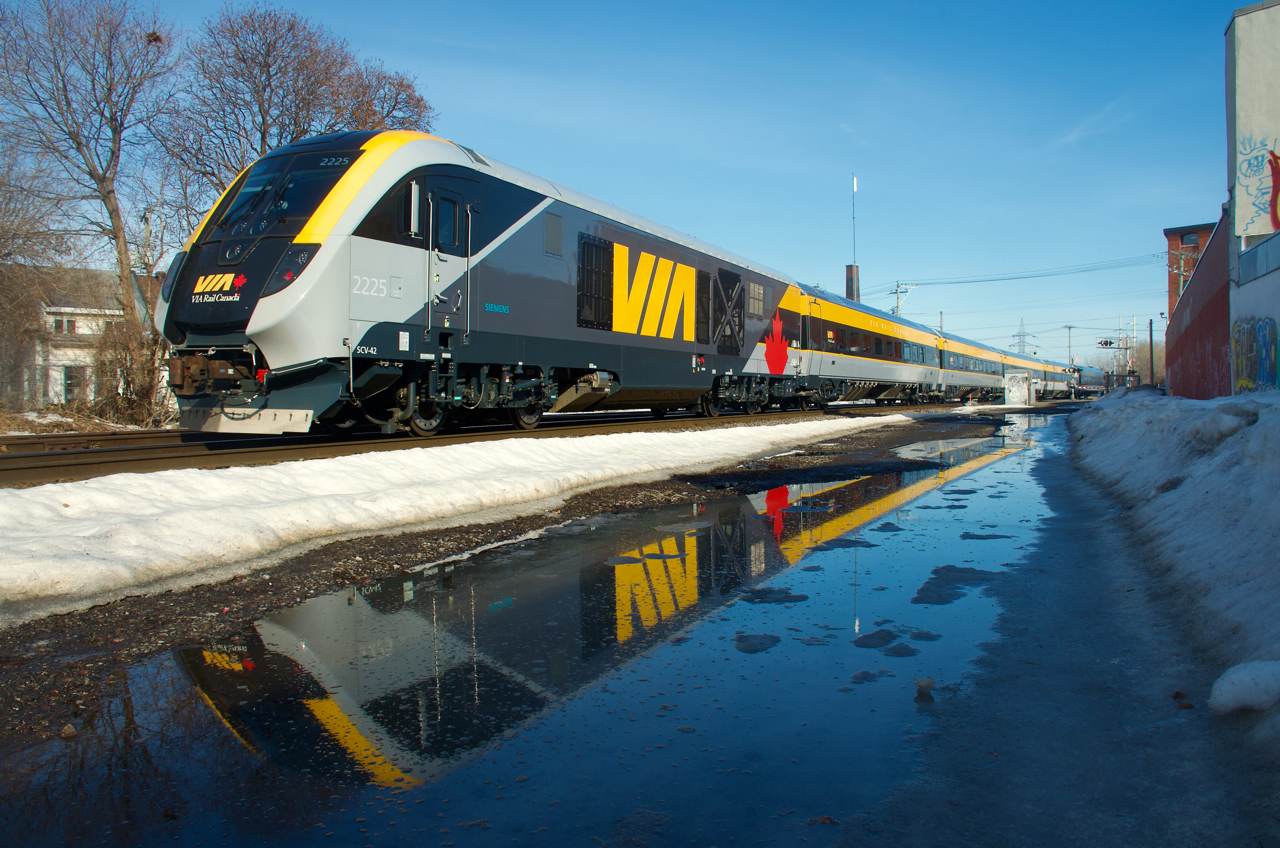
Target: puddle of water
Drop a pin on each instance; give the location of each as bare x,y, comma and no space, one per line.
726,672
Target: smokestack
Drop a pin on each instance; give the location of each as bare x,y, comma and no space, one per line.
851,289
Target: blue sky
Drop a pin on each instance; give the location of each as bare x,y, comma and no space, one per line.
986,141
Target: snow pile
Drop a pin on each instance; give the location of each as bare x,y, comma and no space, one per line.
1251,685
68,545
49,418
1201,477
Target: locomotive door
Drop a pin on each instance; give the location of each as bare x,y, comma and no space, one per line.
387,282
818,332
453,211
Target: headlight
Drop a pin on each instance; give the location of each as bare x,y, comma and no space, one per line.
289,267
166,288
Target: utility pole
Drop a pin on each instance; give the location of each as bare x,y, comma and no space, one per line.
1151,346
898,291
1070,327
1133,343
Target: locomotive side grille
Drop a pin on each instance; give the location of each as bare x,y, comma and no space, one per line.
553,239
595,282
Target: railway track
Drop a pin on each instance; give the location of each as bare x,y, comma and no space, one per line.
33,460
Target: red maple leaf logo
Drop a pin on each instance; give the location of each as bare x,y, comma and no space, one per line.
775,346
239,281
775,501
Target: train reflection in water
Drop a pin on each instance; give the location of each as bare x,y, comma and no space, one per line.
398,682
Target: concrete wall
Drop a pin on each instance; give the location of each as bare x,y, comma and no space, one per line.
1254,309
1253,138
1253,115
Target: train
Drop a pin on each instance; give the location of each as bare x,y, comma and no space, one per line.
402,280
1089,381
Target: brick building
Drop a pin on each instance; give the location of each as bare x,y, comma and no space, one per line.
1185,246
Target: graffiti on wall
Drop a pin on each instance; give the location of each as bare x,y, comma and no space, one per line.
1256,167
1253,354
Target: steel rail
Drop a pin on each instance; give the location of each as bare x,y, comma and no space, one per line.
69,464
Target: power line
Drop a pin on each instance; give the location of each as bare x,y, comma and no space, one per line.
1108,265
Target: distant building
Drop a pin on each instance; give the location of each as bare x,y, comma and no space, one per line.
51,337
1185,246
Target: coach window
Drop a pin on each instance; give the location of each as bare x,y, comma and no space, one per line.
879,346
897,350
702,309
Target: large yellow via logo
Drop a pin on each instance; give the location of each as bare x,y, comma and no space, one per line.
213,283
655,589
661,286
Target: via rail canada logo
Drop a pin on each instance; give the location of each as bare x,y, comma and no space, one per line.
214,288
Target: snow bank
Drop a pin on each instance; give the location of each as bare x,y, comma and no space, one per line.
68,545
1200,477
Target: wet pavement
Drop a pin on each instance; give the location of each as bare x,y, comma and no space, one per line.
751,669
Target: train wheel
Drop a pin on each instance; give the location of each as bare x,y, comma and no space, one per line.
526,417
658,413
709,408
343,423
804,403
426,420
751,407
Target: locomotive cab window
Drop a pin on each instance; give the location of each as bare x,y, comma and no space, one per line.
756,300
398,217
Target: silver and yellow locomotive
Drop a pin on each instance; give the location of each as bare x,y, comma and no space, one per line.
402,279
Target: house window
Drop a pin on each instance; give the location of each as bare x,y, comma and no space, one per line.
1190,239
57,325
71,325
74,381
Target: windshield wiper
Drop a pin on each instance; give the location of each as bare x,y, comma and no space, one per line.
248,207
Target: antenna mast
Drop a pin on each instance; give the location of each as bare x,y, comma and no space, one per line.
852,287
853,202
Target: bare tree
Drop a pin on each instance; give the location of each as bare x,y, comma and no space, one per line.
83,79
33,228
261,78
1142,361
